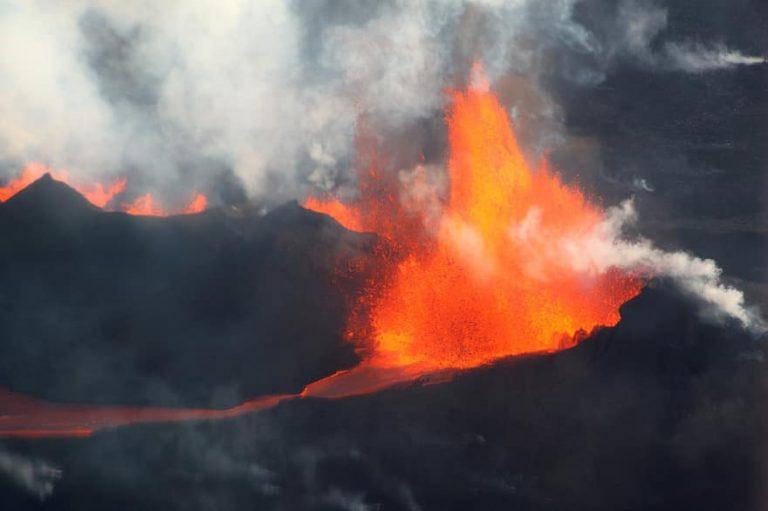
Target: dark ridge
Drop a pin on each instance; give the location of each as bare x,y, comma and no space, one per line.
196,310
47,196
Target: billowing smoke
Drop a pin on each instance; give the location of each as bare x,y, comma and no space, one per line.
181,95
266,96
34,476
605,247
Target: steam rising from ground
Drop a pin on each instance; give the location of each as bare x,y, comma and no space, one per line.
196,95
593,253
187,94
34,476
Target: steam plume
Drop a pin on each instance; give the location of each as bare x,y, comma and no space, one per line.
595,252
34,476
271,90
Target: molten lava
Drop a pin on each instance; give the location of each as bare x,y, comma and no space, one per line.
198,204
474,290
471,275
25,417
144,205
345,215
96,193
99,196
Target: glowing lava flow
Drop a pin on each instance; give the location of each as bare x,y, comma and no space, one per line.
475,291
458,291
24,417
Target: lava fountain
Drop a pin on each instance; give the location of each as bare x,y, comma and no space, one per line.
459,288
474,290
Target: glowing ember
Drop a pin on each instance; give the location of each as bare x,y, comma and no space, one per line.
28,175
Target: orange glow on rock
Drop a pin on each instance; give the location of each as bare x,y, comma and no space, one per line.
144,205
345,215
198,204
100,196
28,175
96,193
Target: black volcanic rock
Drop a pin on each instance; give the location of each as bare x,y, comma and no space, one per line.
662,412
49,197
203,309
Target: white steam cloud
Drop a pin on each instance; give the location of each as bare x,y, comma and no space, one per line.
173,92
34,476
605,247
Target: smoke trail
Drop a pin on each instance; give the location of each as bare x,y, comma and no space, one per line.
696,58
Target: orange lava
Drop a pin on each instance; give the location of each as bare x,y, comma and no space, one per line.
198,204
144,205
25,417
100,196
345,215
377,206
29,418
464,286
147,205
96,193
473,291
